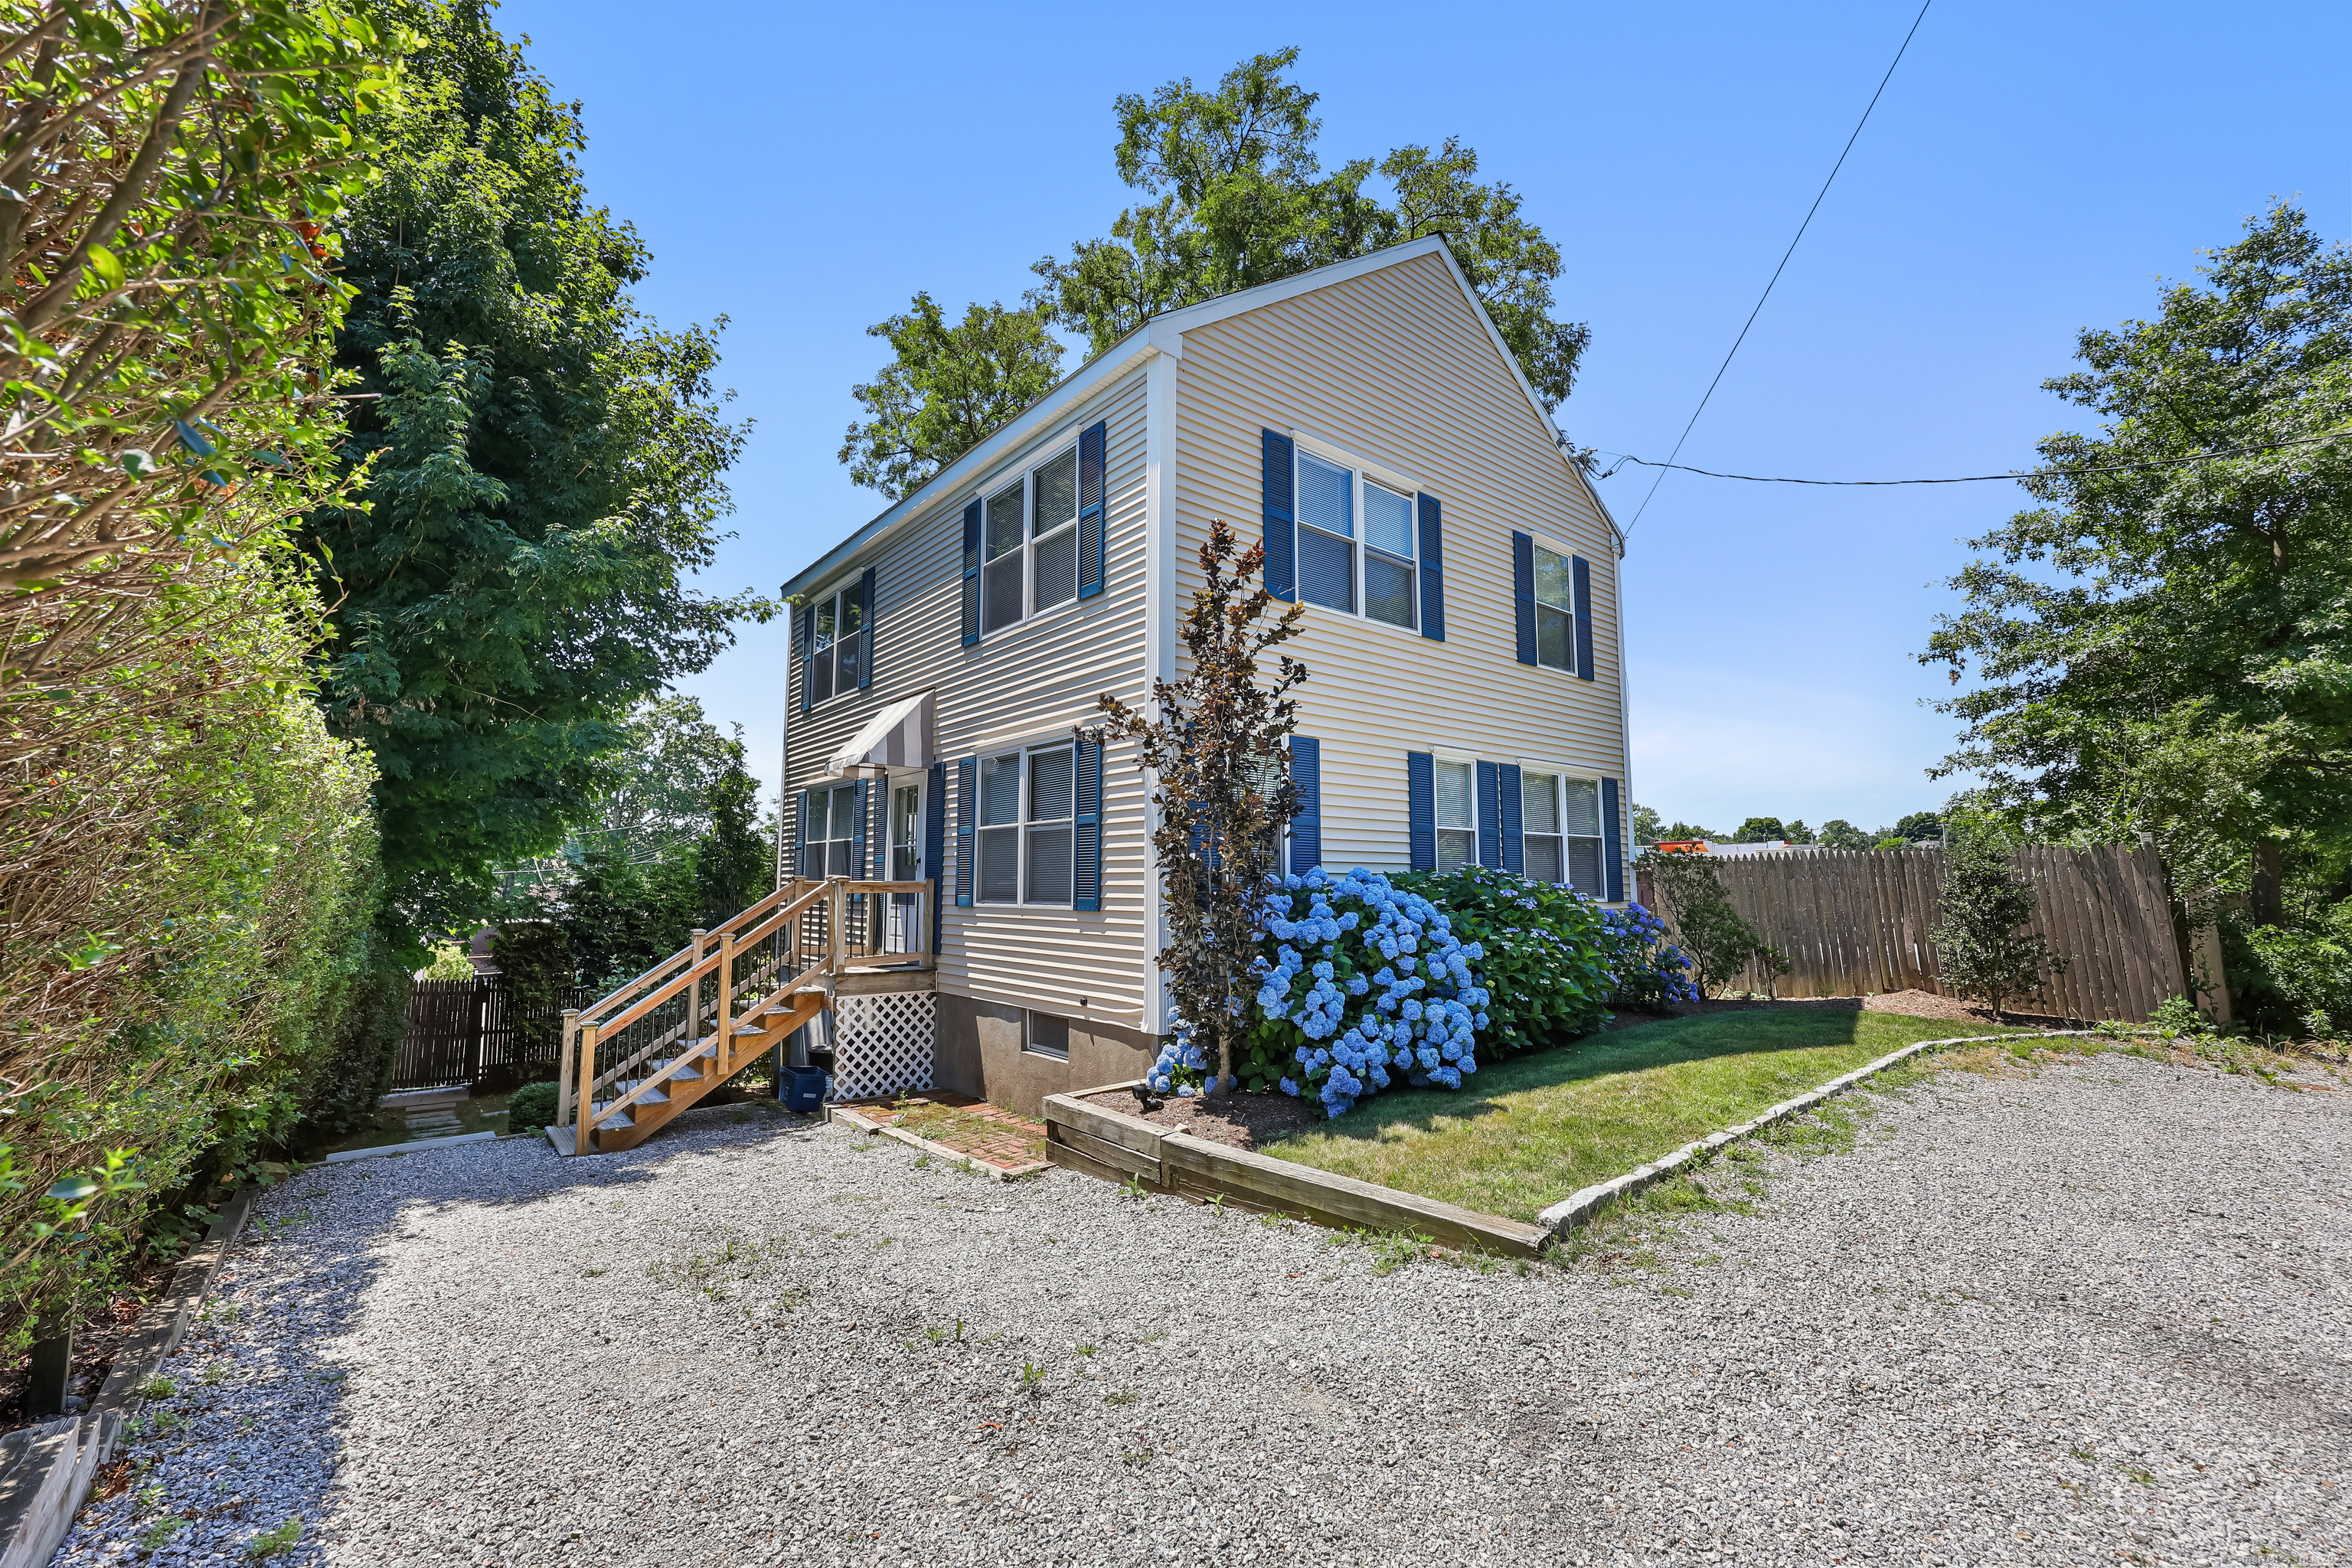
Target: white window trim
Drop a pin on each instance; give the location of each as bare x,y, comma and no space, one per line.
866,627
1561,772
1025,468
1568,554
1020,820
1470,761
824,788
1361,470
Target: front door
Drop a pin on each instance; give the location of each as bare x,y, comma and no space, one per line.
906,864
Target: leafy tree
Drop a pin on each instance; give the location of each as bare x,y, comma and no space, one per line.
1239,197
1796,832
1218,761
1839,834
547,467
2165,643
1761,830
734,861
946,388
1980,952
1686,830
1648,828
1707,927
1920,827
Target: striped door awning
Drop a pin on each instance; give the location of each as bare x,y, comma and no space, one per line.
899,736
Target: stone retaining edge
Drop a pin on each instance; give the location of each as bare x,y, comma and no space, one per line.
44,1488
1580,1207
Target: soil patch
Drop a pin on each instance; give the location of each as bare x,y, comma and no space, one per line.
1236,1121
96,1340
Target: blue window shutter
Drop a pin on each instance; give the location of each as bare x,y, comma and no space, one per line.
865,631
858,831
1281,525
1581,571
808,653
1523,593
1490,816
1432,570
1093,445
1086,831
1507,784
1611,850
800,836
967,784
1306,827
935,820
1420,806
971,575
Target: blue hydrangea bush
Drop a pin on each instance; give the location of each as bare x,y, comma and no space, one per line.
1369,982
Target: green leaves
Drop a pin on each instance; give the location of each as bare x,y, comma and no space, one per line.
947,388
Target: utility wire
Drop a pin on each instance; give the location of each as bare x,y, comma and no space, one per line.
1623,458
1778,270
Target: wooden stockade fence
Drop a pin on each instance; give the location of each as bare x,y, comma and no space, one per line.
1856,922
460,1031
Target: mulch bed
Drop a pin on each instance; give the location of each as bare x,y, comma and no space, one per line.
1254,1121
95,1341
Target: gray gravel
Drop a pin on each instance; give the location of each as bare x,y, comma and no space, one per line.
2097,1314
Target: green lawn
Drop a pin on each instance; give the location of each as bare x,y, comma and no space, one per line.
1527,1132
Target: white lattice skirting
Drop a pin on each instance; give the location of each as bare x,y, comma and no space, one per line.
882,1044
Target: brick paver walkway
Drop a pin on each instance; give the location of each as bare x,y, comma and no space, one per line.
989,1134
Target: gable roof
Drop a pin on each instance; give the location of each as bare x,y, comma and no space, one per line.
1164,333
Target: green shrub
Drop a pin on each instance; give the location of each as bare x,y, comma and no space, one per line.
2294,978
531,1108
1546,969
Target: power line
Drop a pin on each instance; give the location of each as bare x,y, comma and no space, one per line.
1784,262
1980,479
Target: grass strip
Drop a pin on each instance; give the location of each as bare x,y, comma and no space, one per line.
1528,1131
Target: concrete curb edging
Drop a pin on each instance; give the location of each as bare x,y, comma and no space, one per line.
45,1471
1580,1207
849,1118
414,1146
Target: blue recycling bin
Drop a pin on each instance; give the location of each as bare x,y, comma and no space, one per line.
801,1089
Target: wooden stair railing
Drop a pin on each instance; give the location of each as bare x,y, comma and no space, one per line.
635,1059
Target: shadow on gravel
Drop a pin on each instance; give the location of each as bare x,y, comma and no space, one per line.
239,1452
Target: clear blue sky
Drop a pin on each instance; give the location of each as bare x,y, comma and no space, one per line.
2033,169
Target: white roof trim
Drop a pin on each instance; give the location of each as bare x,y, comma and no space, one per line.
1164,333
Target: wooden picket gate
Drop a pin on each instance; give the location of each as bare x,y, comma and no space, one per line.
1857,922
460,1031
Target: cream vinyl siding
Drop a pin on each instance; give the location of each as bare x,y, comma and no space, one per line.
1027,683
1397,367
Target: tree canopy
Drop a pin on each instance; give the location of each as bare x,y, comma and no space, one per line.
1236,196
547,469
2165,643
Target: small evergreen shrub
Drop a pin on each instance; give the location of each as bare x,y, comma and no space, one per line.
531,1108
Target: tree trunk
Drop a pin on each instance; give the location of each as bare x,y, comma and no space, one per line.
2268,900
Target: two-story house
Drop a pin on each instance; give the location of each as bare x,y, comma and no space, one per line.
1465,698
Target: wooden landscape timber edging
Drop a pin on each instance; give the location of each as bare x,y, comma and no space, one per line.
849,1118
1856,922
45,1471
1580,1207
1124,1148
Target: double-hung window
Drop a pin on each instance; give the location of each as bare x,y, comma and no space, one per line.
832,825
1560,828
1029,542
1025,822
1372,575
1457,815
836,641
1555,611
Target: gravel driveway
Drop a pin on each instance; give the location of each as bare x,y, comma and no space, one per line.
2096,1315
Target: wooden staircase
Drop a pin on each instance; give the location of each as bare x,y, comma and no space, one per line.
659,1043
